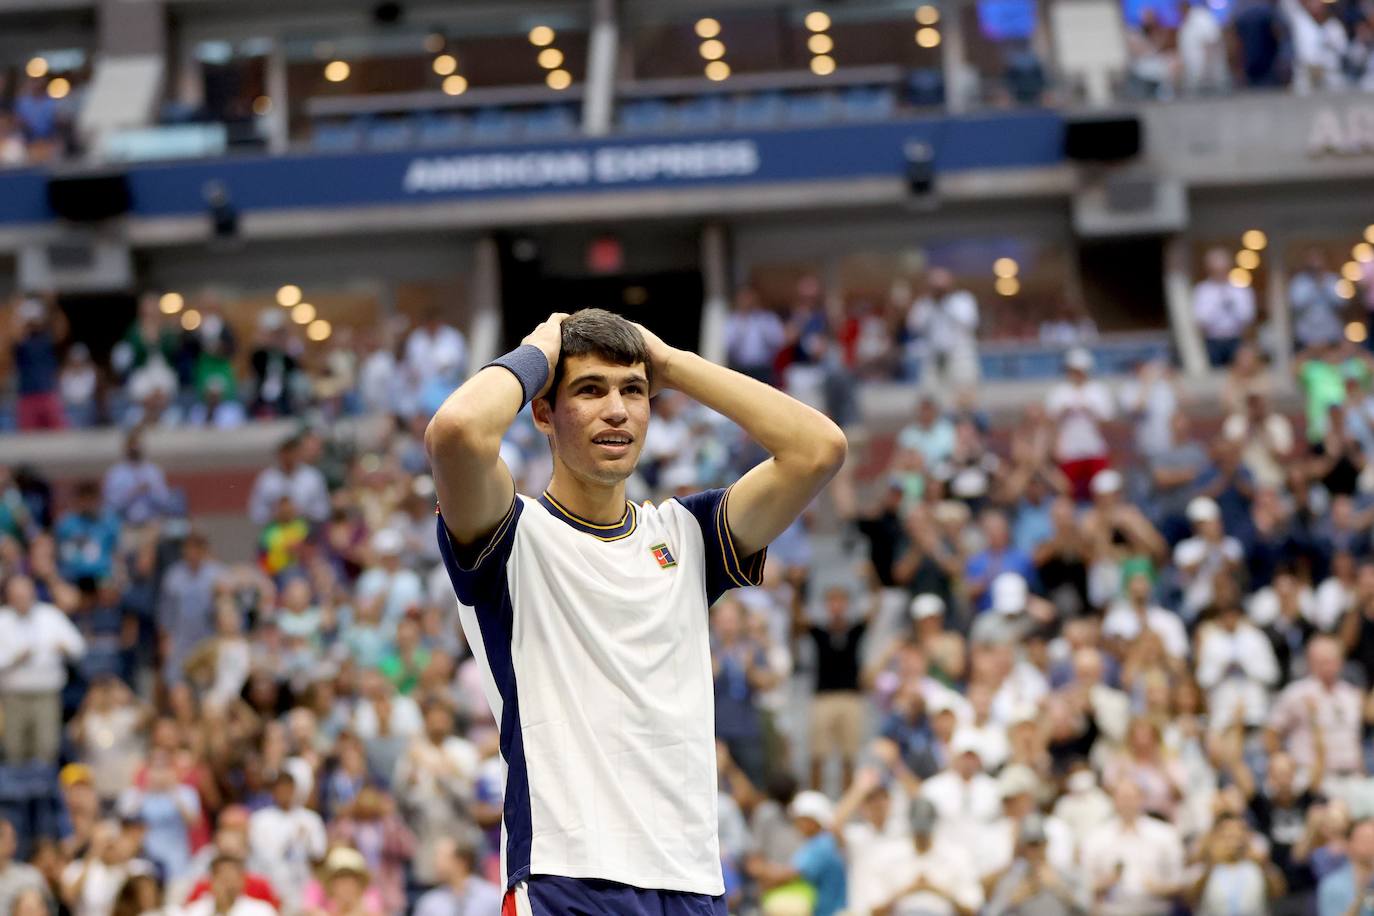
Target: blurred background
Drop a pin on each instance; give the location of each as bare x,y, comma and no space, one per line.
1015,247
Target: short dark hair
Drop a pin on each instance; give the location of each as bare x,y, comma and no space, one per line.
597,332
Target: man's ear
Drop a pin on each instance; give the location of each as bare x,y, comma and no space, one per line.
542,412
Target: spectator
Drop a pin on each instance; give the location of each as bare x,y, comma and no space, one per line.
39,116
930,433
945,322
1319,721
1259,35
384,843
92,881
1265,438
1207,555
996,558
398,589
754,334
37,641
77,383
1033,883
16,877
109,733
87,536
1246,375
436,352
1224,310
217,408
168,811
1237,878
741,672
1201,50
228,894
1345,890
186,604
965,797
1134,862
36,364
1154,59
290,477
1236,666
1151,400
285,841
935,876
837,711
136,489
462,890
1319,46
818,862
1312,294
1135,614
274,367
1078,407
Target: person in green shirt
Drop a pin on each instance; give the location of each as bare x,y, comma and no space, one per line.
403,665
1322,373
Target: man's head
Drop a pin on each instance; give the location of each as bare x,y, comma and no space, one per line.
87,497
927,412
812,813
455,860
1230,838
1324,659
922,818
288,453
284,791
837,600
996,531
195,548
226,878
1360,847
438,722
1128,800
941,281
1138,588
1218,264
727,619
20,594
596,411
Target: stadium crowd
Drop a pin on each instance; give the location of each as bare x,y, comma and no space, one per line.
1116,658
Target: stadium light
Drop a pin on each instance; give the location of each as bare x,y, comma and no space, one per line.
1363,252
288,295
817,21
37,67
1352,271
1239,276
59,88
262,105
1345,289
820,44
303,313
1248,259
708,27
717,70
1005,267
558,79
541,36
1254,239
190,319
928,37
1369,234
550,58
170,303
822,65
445,64
712,49
1007,286
319,330
336,71
455,85
927,15
1356,332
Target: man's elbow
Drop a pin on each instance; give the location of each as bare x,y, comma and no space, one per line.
448,431
827,452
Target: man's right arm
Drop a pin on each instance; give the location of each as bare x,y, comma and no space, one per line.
463,440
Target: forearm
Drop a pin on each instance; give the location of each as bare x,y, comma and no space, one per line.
793,433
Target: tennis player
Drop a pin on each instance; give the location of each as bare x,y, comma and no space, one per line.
588,614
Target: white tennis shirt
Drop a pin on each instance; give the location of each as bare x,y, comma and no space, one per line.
593,645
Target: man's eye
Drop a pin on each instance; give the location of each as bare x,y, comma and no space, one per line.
587,389
634,389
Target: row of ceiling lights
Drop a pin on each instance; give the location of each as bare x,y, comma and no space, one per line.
550,58
289,296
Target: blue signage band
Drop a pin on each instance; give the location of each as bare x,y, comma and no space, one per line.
528,364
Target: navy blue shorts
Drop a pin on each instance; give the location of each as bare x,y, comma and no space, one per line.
551,895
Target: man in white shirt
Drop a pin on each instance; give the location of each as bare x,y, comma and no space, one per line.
36,642
1237,668
91,884
290,477
226,897
1202,51
1079,406
1223,310
435,350
1019,786
1134,863
753,336
399,588
285,842
1204,556
965,797
945,323
1136,613
463,892
937,877
1265,437
1321,705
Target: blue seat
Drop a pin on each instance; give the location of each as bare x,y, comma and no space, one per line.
645,116
551,121
703,112
390,133
868,103
336,136
448,129
758,109
494,125
809,107
926,88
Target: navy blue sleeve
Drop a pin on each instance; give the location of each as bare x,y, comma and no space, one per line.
478,570
725,568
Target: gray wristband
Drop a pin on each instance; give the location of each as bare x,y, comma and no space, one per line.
528,364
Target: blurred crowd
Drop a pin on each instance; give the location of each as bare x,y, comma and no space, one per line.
36,125
166,371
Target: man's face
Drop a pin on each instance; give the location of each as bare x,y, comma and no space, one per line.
1324,659
599,419
1139,589
1362,843
226,881
283,794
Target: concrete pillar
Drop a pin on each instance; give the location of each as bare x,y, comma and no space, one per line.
278,121
1178,296
1276,299
715,280
484,294
602,55
132,27
953,58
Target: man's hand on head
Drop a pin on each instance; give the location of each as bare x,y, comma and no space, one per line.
660,356
548,336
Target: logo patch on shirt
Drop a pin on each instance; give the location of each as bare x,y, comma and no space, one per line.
663,555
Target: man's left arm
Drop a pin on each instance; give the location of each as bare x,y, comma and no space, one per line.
806,447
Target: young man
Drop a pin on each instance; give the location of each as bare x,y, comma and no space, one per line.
588,614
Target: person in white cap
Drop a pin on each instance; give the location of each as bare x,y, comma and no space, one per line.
1079,406
928,616
997,557
1136,612
399,588
1121,534
965,797
292,477
818,862
1204,556
1020,788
